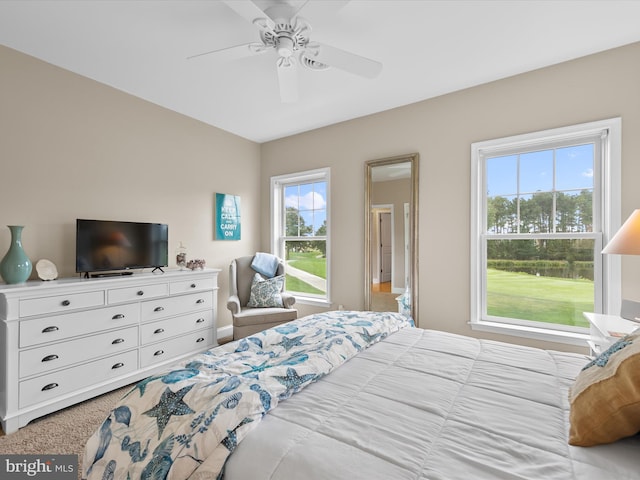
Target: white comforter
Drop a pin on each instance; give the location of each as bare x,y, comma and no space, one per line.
430,405
184,423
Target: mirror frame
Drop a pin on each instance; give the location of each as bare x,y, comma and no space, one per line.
414,159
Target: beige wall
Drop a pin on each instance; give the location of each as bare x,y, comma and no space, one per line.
441,130
73,148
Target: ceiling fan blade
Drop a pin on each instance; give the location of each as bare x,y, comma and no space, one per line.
288,80
251,13
295,11
326,10
349,62
283,12
235,52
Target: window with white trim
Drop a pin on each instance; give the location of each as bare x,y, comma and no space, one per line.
300,232
543,206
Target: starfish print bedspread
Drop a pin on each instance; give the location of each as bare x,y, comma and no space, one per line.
185,422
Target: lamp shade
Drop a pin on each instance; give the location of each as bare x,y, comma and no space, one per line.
627,240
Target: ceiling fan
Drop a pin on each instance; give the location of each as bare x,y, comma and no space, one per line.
283,31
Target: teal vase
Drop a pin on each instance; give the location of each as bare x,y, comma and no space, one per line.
15,266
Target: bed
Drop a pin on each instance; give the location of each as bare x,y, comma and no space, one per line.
349,395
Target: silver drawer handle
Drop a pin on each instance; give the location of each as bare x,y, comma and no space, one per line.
158,353
50,329
49,387
117,341
158,309
193,285
117,365
117,316
200,320
65,303
159,330
200,300
201,339
140,293
48,358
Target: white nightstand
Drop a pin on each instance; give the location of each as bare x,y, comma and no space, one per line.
605,330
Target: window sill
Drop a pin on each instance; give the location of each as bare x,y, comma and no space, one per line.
317,302
544,334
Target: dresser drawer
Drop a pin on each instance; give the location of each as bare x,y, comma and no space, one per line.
51,357
129,294
162,351
187,286
60,327
48,387
171,327
170,306
60,303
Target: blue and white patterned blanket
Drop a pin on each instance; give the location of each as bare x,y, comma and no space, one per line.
186,421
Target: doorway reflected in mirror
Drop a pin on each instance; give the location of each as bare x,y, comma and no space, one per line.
390,228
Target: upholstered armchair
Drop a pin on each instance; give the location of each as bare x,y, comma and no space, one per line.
248,319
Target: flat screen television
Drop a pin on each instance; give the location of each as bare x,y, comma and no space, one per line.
105,245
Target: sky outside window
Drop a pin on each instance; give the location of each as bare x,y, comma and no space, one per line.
574,167
573,171
536,172
309,199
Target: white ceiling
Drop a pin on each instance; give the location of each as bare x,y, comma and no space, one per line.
427,48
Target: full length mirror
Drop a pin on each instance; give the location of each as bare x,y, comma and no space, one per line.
391,227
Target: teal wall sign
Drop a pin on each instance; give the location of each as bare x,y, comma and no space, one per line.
227,217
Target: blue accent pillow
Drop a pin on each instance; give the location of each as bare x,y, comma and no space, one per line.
266,292
265,264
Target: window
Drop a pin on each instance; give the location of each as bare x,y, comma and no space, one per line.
543,205
300,232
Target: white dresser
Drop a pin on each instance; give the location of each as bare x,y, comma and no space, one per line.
64,341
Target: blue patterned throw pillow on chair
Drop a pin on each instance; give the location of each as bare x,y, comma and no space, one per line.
266,293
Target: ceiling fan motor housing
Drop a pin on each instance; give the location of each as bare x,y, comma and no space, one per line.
285,33
288,39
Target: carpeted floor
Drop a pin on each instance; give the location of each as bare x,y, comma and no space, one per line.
64,432
384,302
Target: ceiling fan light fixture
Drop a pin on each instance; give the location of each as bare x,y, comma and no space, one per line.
285,46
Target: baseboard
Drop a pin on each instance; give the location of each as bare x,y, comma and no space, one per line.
225,332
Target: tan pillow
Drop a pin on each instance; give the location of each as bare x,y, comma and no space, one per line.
605,398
